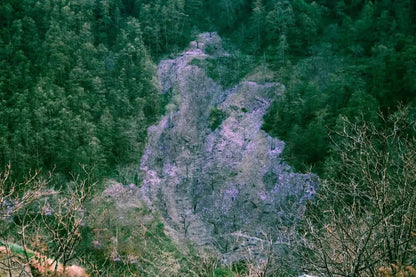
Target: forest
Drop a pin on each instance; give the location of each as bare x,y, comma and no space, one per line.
78,90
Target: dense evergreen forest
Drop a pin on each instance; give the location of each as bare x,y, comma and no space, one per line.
346,59
77,79
78,90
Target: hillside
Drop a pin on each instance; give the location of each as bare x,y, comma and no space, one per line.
208,137
210,171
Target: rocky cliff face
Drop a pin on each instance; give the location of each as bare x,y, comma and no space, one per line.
210,170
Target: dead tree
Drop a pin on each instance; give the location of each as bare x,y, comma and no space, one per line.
364,216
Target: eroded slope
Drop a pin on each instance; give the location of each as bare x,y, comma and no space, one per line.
216,183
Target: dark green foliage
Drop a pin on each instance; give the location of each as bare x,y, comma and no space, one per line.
166,24
227,70
67,95
216,117
165,99
223,272
359,61
226,15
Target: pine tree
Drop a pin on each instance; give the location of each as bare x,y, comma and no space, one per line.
258,16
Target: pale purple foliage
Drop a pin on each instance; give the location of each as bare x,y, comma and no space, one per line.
48,212
231,193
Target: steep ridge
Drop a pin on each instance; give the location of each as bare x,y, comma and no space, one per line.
217,183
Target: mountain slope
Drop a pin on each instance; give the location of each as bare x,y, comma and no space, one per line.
210,170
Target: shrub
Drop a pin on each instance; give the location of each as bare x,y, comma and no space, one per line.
216,117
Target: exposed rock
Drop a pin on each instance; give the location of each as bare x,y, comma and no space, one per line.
209,184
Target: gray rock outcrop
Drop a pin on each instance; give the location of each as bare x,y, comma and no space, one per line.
213,182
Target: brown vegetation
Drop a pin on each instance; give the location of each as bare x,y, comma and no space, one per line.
365,214
39,265
397,271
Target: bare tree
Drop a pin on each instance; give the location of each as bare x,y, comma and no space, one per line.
33,215
62,218
363,219
15,198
